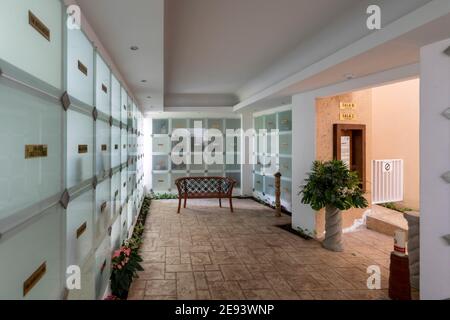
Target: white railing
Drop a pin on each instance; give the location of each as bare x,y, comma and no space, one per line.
387,181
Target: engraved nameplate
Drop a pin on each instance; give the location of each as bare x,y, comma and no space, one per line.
116,147
82,148
104,88
81,229
124,146
116,193
103,207
34,279
104,147
124,184
38,25
82,68
36,151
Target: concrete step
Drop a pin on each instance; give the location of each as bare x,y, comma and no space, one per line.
386,221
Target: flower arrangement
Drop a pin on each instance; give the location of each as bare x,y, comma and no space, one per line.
125,265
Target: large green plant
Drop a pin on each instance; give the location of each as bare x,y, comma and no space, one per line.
126,264
332,184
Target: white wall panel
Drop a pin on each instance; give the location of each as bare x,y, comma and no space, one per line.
115,98
103,148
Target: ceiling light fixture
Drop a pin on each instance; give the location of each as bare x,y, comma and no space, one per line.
143,81
149,97
134,48
349,76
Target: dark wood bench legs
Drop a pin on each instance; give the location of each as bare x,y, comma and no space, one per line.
179,204
220,202
231,204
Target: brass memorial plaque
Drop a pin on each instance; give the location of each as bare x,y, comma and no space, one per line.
82,68
82,148
104,88
36,151
116,193
81,229
103,207
38,25
34,279
104,147
116,147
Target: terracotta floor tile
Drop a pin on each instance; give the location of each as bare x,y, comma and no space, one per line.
213,276
161,288
178,268
235,272
209,253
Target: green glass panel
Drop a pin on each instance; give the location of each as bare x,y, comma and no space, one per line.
285,121
160,126
103,86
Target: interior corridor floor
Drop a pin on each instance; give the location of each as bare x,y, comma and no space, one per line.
210,253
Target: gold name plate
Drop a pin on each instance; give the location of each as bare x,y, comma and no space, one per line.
36,151
104,147
103,207
38,25
82,148
34,279
82,68
81,229
347,116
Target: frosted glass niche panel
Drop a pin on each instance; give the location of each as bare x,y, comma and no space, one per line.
102,267
30,159
123,224
87,291
102,207
233,124
160,182
286,191
270,122
123,105
103,147
115,98
285,121
36,248
80,142
115,235
285,144
216,124
179,124
123,186
269,186
259,123
174,178
115,147
286,167
160,126
80,230
80,67
237,177
161,144
124,146
103,86
160,163
115,193
258,183
34,47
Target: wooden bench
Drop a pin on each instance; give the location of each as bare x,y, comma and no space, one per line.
205,188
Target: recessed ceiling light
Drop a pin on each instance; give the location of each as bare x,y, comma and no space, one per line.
134,48
149,97
349,76
143,81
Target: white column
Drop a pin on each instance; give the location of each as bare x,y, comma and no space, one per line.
435,161
247,150
303,155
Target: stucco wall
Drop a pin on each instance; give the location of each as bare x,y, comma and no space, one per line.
327,114
395,132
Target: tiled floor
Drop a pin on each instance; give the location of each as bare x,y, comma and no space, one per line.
210,253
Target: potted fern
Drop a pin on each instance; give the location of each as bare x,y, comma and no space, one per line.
331,185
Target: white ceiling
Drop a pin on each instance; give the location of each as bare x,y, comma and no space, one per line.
216,46
121,24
